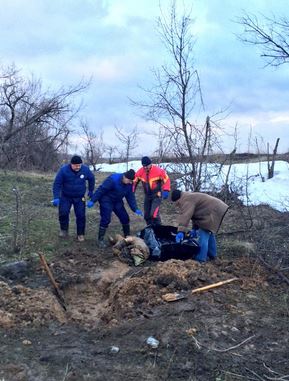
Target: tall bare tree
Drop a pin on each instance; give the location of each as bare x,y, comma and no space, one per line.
34,123
129,142
94,147
177,95
270,34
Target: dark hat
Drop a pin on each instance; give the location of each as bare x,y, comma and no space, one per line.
129,174
76,160
146,161
176,194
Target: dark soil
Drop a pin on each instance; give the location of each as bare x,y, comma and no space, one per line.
238,331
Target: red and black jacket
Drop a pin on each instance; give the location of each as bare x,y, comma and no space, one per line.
153,180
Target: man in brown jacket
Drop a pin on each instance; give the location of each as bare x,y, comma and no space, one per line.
205,212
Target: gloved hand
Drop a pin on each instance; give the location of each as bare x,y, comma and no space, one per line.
138,212
193,233
179,237
165,194
89,204
55,201
89,194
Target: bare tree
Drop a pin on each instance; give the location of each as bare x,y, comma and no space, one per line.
271,35
34,123
94,147
129,141
110,149
177,95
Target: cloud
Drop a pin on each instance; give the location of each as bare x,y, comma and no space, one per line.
115,42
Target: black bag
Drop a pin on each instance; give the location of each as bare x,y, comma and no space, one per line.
161,240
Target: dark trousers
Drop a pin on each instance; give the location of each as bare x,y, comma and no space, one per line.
79,211
106,209
152,209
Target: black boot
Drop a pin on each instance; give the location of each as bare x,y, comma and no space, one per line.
126,230
101,234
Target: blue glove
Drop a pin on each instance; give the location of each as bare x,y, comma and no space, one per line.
165,194
193,233
55,201
89,204
89,194
138,212
179,237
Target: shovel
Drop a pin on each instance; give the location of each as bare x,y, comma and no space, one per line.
174,296
52,281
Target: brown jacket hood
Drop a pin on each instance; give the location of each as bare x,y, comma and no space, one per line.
205,211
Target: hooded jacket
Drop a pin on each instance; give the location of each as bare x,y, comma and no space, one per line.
207,212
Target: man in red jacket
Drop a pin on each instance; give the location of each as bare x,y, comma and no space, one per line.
156,186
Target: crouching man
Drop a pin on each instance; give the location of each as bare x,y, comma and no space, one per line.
110,196
207,213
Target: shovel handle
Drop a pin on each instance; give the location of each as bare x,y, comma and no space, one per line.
48,272
213,285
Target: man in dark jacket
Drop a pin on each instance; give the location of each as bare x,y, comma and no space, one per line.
110,196
69,189
207,213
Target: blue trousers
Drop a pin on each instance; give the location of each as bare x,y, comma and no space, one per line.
106,209
79,211
208,246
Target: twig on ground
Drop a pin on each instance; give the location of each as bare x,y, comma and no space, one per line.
255,374
277,376
196,342
238,375
66,371
233,347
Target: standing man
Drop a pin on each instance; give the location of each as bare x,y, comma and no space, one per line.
206,213
156,186
69,189
110,196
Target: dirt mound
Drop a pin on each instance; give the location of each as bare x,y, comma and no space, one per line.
24,306
116,293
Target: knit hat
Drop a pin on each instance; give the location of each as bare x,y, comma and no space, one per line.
76,160
129,174
176,194
146,161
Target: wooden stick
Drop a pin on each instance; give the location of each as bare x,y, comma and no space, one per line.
213,285
52,280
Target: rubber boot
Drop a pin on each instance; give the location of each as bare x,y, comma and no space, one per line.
126,230
101,233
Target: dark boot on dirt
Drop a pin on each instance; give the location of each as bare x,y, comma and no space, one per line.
63,234
101,233
126,230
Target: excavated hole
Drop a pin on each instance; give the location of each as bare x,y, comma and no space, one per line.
88,302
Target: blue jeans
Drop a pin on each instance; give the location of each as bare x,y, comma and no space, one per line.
208,246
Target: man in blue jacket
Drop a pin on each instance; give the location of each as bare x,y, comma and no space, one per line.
110,196
69,189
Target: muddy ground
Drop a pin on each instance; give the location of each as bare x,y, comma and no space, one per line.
238,331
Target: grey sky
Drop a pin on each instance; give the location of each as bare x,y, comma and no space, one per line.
116,44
